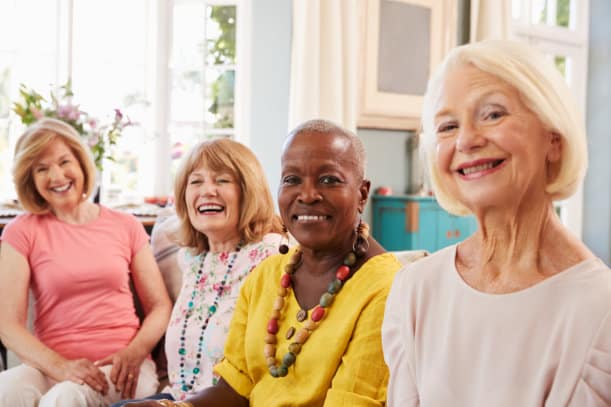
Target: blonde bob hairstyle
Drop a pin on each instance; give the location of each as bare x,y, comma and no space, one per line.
257,216
542,89
32,143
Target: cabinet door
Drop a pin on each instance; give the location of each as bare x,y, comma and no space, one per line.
453,229
389,226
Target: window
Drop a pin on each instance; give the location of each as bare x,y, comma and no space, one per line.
560,29
174,67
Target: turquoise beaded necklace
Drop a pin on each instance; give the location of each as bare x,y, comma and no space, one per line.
182,351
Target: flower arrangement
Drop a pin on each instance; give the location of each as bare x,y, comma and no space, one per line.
99,137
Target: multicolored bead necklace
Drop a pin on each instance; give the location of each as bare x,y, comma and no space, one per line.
182,350
301,336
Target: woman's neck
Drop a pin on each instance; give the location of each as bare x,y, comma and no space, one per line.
227,243
82,213
515,249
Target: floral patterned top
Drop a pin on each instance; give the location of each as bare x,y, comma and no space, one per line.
195,305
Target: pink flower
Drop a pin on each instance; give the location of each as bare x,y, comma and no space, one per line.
93,140
118,115
36,113
223,257
92,123
68,112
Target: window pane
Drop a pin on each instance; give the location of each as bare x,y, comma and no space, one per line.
28,57
563,11
560,62
220,35
551,12
220,100
110,72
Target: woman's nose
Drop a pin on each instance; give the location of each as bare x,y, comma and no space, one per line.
55,172
309,193
469,138
209,188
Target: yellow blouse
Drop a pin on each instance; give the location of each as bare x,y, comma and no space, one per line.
341,363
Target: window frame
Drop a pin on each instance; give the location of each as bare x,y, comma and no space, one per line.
572,42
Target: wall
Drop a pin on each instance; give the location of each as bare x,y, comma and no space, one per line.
387,162
597,188
271,62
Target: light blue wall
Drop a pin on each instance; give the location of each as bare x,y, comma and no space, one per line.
271,62
597,190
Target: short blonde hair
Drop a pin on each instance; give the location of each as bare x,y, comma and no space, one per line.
257,216
31,145
542,89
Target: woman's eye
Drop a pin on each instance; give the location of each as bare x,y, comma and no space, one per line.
194,182
329,180
446,127
64,162
494,114
223,181
290,180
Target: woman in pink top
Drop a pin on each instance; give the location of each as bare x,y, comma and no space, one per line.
77,258
519,314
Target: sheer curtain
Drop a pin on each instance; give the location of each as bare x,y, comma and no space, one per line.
324,61
490,20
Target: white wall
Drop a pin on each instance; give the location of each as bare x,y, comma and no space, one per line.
597,188
271,66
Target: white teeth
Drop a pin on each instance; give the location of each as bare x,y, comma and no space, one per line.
309,218
61,189
209,207
477,168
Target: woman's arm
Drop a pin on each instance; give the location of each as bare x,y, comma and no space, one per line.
14,286
153,295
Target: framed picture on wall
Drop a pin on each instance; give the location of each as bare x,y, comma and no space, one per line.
403,41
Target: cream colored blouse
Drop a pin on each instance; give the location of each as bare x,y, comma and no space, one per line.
447,344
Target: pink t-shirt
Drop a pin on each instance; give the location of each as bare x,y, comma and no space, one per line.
80,280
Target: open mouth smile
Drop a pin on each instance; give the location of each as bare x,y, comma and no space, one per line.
62,188
482,168
210,208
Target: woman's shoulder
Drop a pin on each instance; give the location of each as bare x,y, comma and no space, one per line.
428,269
24,222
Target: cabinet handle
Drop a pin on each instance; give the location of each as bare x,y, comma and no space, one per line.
457,233
412,217
449,234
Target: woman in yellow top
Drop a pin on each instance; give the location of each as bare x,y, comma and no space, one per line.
306,329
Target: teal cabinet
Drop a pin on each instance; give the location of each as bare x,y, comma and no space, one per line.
417,222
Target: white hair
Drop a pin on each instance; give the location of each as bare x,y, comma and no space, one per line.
542,89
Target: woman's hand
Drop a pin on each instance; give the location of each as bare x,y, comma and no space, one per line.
125,370
83,371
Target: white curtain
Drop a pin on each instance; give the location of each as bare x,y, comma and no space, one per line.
324,61
490,19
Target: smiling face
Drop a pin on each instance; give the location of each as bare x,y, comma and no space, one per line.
58,176
213,203
491,149
321,193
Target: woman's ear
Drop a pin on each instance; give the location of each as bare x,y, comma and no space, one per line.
555,147
364,194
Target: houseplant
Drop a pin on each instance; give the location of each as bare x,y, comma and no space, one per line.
100,136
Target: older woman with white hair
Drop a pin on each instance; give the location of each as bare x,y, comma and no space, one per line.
519,314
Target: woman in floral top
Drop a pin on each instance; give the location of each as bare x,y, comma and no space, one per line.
227,227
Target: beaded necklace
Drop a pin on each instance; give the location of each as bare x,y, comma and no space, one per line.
182,351
301,336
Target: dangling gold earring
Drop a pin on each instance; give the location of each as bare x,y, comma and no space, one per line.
284,247
361,242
